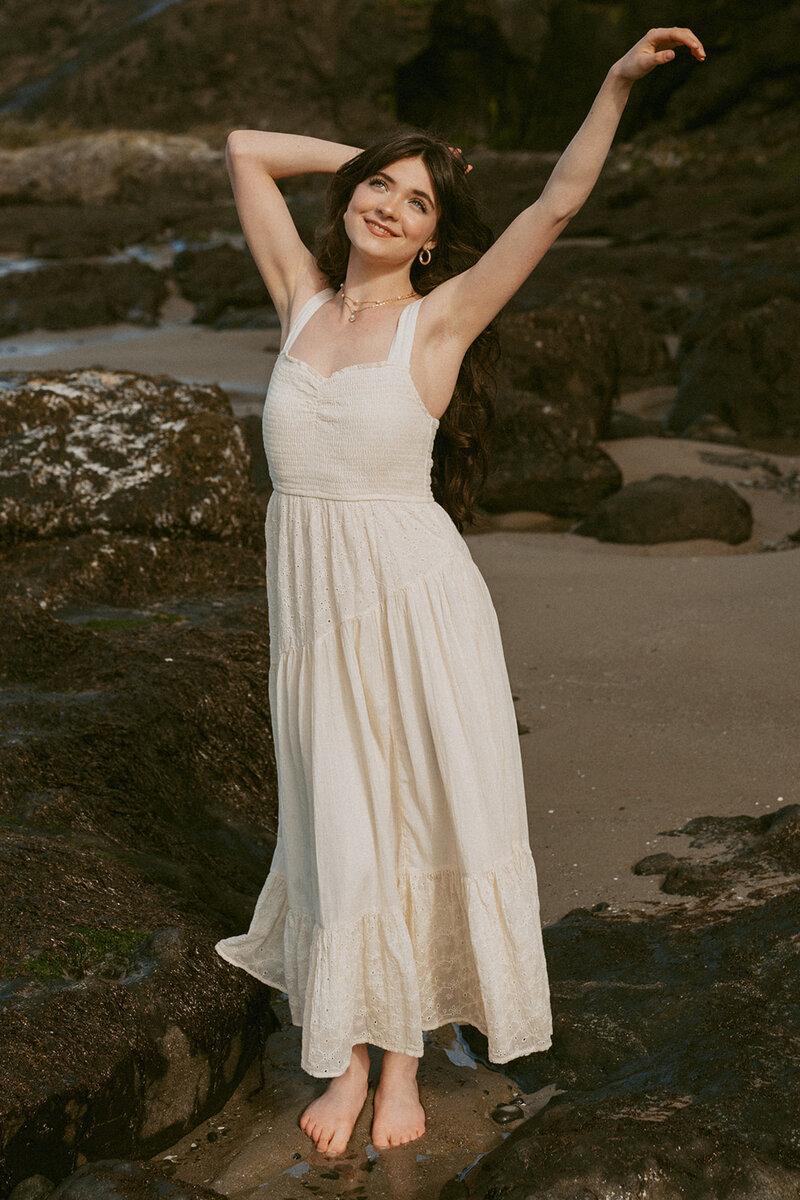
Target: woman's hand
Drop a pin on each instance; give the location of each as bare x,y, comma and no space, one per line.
655,48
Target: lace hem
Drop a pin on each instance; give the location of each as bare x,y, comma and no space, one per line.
454,948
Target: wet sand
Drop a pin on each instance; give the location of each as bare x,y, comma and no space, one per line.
656,683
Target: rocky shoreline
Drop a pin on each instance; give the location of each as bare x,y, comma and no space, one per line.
137,780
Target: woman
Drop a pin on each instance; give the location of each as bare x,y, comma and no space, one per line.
402,892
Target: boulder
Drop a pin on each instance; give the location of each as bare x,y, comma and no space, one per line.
220,280
744,371
667,508
541,460
114,166
115,1179
651,1012
75,295
709,428
568,358
641,348
138,814
114,450
623,425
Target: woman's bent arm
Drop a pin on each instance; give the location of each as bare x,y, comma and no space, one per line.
255,159
466,304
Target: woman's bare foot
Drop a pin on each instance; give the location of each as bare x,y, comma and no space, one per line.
329,1119
398,1116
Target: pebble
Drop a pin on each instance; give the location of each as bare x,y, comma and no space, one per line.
504,1114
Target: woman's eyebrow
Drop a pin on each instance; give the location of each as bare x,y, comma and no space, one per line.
414,191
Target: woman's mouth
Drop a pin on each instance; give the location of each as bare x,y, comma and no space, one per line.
378,229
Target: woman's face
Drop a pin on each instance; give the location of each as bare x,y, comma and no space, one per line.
393,213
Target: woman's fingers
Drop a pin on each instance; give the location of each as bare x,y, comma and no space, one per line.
677,36
657,47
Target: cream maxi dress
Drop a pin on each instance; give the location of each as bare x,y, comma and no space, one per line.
402,893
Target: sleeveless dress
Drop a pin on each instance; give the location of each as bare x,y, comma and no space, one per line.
402,892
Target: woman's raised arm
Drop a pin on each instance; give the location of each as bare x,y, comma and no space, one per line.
463,306
255,159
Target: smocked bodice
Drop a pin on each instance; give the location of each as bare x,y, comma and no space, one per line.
362,433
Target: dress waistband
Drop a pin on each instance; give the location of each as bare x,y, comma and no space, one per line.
403,499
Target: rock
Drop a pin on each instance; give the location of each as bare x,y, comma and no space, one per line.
576,1151
74,295
641,349
220,280
446,66
709,428
113,450
652,1010
116,1179
568,358
138,813
745,372
748,849
127,167
542,461
246,318
654,864
629,425
504,1114
667,508
35,1187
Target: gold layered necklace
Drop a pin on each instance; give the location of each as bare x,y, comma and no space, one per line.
354,307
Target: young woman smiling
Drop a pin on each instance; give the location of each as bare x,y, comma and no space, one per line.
402,892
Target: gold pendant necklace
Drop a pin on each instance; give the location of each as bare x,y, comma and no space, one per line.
355,306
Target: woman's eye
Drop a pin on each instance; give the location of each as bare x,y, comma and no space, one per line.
420,204
377,182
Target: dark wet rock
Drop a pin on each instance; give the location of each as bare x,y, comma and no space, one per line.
641,349
629,425
667,508
35,1187
137,819
745,372
578,1151
247,318
220,280
675,1041
115,450
568,358
74,295
101,569
709,428
117,1179
54,231
542,460
747,850
654,864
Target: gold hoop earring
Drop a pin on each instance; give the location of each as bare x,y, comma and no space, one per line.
424,261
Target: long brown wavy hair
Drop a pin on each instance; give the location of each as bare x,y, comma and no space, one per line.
461,446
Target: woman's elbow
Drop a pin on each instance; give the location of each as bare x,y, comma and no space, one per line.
236,142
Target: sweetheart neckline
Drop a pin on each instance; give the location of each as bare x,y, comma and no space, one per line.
356,366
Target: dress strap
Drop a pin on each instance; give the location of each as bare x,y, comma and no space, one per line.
403,342
305,315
